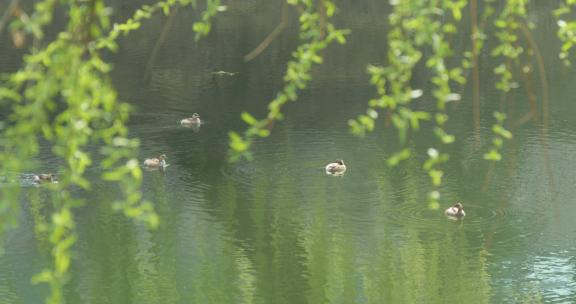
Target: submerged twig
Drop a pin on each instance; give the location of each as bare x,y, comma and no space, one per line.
533,114
160,42
545,102
266,42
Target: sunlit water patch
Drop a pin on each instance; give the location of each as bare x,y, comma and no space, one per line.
546,277
554,273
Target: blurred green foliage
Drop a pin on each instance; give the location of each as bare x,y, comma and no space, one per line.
500,134
566,29
63,95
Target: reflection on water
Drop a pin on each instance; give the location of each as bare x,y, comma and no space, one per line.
278,229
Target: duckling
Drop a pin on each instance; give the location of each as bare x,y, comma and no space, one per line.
43,178
156,163
191,121
336,168
456,211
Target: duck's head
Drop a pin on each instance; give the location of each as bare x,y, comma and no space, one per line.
340,162
162,157
458,206
195,115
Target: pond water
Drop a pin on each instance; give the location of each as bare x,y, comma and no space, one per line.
278,229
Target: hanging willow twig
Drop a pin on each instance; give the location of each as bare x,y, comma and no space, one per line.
314,40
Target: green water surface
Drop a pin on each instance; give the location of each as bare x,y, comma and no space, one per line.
278,229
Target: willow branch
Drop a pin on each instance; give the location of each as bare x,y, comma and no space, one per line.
475,73
542,74
7,14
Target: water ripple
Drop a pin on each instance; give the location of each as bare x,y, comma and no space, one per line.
418,215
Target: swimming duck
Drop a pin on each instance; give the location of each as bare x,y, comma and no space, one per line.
337,167
191,121
156,163
456,211
45,178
